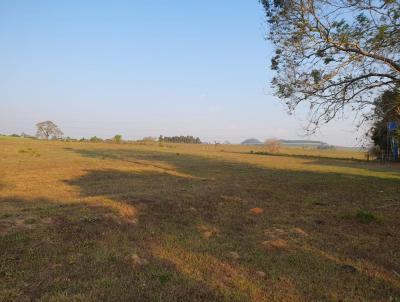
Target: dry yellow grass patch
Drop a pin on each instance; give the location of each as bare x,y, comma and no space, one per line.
230,280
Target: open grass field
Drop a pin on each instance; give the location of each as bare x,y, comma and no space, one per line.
108,222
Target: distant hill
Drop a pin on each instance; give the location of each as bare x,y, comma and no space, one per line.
251,141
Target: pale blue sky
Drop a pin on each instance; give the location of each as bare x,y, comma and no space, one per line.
143,68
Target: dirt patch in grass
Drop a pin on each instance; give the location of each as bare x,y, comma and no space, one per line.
207,231
256,211
276,244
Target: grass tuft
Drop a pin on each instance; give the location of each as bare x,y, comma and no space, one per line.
367,217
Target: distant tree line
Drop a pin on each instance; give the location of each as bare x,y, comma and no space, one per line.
23,135
189,139
326,147
49,130
94,139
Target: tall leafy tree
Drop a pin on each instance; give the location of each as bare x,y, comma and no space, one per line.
387,109
333,54
48,130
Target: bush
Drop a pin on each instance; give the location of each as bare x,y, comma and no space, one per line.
95,139
272,145
118,138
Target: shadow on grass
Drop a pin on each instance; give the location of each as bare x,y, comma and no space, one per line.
372,166
208,214
200,240
392,168
304,156
63,251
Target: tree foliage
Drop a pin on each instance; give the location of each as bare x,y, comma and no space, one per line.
333,54
48,130
117,138
387,109
95,139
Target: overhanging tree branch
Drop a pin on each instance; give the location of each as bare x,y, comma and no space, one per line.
333,54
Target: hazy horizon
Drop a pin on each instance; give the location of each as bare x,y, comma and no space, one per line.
144,69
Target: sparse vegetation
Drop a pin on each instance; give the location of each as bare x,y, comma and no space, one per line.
137,222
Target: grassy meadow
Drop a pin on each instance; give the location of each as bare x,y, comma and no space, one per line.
137,222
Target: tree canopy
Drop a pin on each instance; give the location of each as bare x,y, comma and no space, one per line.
117,138
333,54
48,130
387,109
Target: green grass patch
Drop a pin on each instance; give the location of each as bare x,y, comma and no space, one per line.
14,238
367,217
5,216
